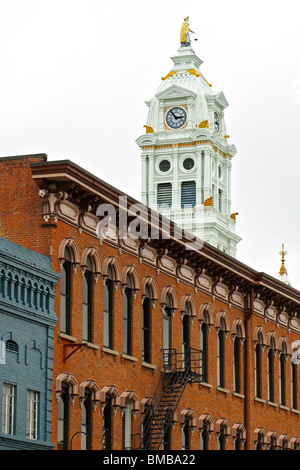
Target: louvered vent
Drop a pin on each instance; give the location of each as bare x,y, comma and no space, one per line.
164,194
12,346
188,193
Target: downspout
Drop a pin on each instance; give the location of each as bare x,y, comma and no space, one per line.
247,373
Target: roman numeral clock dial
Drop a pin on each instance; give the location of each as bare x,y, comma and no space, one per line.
176,117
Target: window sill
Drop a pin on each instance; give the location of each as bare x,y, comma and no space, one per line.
129,358
109,351
148,365
223,390
67,337
204,384
238,395
295,411
260,400
272,404
90,345
283,407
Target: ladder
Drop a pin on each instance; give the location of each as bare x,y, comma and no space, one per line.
178,370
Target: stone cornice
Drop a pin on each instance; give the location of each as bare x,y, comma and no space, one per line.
87,191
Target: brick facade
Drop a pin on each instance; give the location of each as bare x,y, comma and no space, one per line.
49,205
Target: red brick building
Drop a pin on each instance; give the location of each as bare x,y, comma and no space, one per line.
138,313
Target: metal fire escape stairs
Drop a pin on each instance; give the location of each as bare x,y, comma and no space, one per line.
178,370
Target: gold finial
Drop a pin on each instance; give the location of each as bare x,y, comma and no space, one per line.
282,270
149,130
209,201
203,124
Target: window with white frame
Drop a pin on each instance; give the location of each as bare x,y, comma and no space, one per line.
8,408
32,414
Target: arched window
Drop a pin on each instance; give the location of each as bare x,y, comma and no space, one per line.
127,317
221,438
259,442
282,375
126,425
108,309
258,354
186,434
204,348
271,354
65,293
167,323
63,418
237,360
273,443
87,301
186,335
204,436
146,327
238,441
107,424
294,385
86,421
220,354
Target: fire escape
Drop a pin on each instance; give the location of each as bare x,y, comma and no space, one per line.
179,369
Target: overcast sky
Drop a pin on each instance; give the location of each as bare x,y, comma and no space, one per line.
75,75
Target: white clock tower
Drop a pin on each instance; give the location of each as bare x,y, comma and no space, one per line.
186,157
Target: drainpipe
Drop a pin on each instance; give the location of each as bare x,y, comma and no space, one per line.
247,373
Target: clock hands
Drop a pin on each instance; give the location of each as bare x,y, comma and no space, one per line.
176,117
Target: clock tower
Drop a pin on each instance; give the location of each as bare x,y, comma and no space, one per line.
185,153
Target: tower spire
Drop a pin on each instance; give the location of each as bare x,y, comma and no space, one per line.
283,275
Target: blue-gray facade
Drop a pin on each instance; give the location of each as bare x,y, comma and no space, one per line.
27,322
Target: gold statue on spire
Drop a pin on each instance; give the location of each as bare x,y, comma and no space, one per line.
282,270
185,39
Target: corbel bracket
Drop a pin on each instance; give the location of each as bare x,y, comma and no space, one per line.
75,347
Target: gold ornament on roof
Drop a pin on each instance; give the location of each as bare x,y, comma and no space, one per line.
226,137
209,84
169,74
203,124
149,130
282,270
209,201
194,72
233,216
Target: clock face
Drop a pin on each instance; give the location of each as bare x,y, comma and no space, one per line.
176,117
217,122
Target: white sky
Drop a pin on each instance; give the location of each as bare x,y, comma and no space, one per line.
75,75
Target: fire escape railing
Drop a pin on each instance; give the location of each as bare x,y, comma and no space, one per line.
179,368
